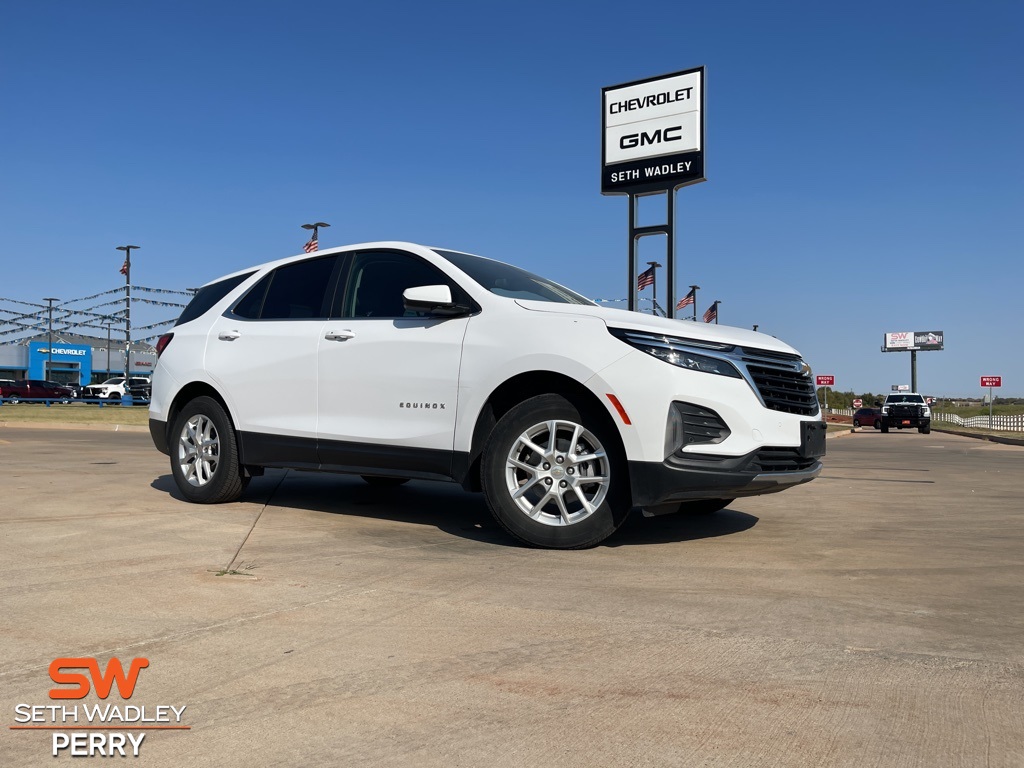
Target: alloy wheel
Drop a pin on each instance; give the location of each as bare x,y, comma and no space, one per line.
557,473
198,450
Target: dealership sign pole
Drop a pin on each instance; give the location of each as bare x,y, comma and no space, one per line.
991,381
652,143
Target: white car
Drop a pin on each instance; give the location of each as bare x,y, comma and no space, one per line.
112,389
395,361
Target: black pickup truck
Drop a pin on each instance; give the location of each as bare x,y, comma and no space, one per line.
906,410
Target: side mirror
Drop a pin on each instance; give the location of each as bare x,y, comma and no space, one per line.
435,299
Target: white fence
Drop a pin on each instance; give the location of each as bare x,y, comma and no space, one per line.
1011,423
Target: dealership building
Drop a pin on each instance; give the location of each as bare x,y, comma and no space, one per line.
74,359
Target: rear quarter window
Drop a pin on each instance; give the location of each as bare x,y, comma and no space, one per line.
209,295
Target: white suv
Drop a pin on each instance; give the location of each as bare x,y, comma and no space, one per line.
113,388
395,361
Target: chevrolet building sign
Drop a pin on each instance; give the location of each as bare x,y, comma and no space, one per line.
653,133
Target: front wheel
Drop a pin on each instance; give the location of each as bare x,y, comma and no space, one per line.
554,475
885,427
204,454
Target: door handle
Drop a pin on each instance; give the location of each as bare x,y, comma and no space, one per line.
343,335
228,335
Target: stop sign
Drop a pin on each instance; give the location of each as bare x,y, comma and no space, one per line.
858,403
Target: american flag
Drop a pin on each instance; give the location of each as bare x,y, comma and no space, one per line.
312,245
712,313
124,268
645,278
687,300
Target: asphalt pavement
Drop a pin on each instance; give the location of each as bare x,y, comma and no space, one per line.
873,617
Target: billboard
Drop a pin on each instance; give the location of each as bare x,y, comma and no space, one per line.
652,133
917,341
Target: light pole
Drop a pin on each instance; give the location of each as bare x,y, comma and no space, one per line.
49,338
313,244
693,290
108,322
126,270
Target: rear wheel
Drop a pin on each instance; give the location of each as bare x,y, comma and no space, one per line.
856,422
554,475
878,424
204,455
925,429
14,399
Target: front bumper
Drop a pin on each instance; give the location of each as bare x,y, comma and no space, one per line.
694,476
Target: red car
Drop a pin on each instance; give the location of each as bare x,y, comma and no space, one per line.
35,389
868,417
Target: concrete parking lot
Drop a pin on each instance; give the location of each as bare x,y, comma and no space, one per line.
873,617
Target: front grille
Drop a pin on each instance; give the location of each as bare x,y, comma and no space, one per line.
771,459
780,380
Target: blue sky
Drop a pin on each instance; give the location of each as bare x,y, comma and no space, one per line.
864,163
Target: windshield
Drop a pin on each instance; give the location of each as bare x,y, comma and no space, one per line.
904,399
114,381
512,282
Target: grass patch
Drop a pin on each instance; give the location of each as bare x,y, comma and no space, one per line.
74,413
980,410
242,570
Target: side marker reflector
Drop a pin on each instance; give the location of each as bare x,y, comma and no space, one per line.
622,411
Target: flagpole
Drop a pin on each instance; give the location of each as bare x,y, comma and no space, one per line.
654,286
316,234
127,268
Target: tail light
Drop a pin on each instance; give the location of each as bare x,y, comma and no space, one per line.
162,343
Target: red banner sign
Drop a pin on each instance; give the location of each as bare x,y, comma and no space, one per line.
858,403
825,381
991,381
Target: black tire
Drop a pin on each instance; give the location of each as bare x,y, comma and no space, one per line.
704,506
885,427
218,478
384,482
543,514
878,423
925,430
13,399
856,423
65,400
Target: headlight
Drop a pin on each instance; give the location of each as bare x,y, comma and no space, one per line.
679,352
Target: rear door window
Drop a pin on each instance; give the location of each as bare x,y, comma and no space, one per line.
301,290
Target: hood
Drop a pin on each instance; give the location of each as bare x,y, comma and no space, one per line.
623,318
